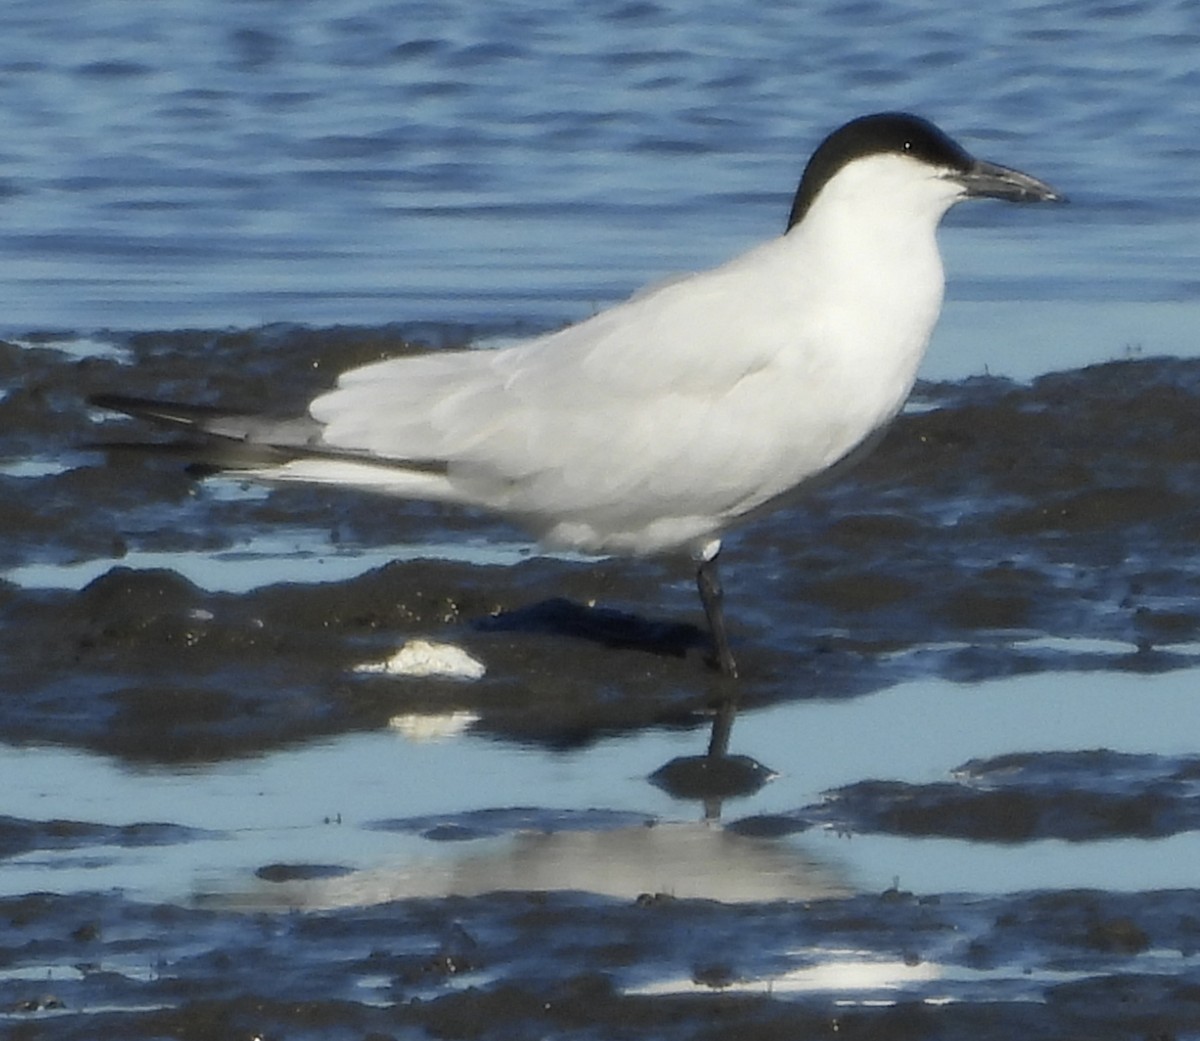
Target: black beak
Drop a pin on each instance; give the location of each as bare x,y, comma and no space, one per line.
990,181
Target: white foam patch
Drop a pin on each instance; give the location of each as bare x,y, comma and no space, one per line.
427,658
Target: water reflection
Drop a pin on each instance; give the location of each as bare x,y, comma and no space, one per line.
716,775
587,851
679,859
589,819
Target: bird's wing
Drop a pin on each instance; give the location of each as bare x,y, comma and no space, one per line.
220,439
631,404
695,337
216,422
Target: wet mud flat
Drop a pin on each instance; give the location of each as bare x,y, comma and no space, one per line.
1000,529
1073,964
997,530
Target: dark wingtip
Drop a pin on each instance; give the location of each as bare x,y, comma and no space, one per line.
112,402
128,404
171,413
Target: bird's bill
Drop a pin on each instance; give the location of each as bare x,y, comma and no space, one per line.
992,181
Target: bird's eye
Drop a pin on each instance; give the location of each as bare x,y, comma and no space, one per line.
907,146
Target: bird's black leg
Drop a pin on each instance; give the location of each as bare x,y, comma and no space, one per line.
711,595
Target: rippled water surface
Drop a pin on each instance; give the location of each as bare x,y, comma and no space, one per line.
236,163
968,795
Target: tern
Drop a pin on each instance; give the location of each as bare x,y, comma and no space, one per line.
655,424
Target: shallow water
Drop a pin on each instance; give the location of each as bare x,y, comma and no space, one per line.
252,162
324,803
935,651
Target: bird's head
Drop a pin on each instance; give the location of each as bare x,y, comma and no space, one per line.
904,160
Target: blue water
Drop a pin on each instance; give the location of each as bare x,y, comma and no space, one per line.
516,164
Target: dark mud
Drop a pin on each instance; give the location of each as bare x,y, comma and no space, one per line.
1070,964
999,529
992,514
1020,797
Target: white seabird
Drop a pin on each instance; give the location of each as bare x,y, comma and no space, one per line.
654,425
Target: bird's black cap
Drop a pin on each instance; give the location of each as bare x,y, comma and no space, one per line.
884,132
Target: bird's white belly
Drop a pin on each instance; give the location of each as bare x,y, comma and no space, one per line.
655,491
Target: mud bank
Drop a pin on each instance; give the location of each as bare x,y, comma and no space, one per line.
1000,530
1075,964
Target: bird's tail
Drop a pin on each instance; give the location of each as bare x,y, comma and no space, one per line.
270,447
215,439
